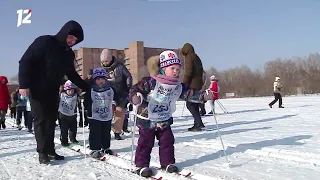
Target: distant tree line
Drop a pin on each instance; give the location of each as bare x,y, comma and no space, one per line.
298,75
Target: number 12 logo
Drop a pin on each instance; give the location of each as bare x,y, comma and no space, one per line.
26,19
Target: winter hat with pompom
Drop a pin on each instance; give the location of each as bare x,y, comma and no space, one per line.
99,72
68,85
168,58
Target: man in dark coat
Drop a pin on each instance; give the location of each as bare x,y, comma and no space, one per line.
193,73
41,70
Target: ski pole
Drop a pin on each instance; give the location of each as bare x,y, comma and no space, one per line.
222,107
83,137
184,105
218,129
134,130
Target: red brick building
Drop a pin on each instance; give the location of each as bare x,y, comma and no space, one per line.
134,57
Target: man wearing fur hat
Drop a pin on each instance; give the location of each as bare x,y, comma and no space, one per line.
277,87
121,81
193,73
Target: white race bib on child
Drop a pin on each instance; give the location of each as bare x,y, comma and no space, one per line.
102,105
67,104
162,101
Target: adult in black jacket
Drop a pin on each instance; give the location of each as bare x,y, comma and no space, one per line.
41,70
121,81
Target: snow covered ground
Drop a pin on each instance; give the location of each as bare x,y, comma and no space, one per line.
261,143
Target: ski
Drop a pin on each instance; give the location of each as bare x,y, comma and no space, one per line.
182,172
74,147
114,159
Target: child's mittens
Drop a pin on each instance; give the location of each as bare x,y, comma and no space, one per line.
137,99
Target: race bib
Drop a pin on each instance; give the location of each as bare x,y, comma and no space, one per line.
67,104
162,101
102,105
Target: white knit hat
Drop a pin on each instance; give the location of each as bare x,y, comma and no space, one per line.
106,54
168,58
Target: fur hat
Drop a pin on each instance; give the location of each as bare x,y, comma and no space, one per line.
153,65
68,85
99,72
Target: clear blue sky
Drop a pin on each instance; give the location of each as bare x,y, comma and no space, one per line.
225,33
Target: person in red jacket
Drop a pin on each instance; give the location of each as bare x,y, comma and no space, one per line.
5,100
214,88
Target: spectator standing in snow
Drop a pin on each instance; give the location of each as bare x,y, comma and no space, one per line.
277,87
193,77
13,106
41,70
121,81
204,87
5,100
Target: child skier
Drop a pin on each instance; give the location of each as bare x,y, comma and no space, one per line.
29,118
21,109
13,106
68,113
214,88
99,101
160,93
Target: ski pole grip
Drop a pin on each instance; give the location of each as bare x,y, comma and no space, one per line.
141,98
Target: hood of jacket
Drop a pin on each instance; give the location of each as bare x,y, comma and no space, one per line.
70,28
5,80
187,49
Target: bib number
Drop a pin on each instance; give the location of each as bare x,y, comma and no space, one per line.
102,111
159,108
65,105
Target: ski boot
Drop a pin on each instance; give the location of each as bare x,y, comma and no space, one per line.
144,172
54,156
117,136
3,125
65,144
96,154
43,158
170,168
108,151
74,141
